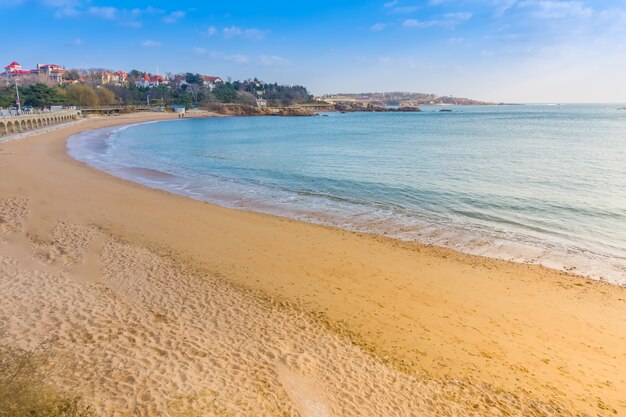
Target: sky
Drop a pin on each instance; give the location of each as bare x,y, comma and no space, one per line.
528,51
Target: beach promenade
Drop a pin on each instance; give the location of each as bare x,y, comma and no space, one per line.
18,123
160,305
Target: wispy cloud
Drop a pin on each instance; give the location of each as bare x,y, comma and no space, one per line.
174,16
150,44
64,8
76,42
377,27
126,17
549,9
272,60
243,59
198,50
12,3
211,31
449,20
108,13
238,58
235,31
405,9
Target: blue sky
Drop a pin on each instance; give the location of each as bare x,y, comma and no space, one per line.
501,50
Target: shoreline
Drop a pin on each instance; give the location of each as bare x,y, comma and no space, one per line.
493,244
423,309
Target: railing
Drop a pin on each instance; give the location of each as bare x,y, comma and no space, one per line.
118,108
14,114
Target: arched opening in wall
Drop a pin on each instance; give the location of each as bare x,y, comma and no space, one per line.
3,129
10,127
29,124
23,125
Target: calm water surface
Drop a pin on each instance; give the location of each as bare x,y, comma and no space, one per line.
541,184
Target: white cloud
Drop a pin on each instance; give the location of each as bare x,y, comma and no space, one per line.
174,16
263,59
12,3
133,23
63,8
108,13
150,44
61,3
458,17
272,60
198,50
211,31
235,31
76,42
549,9
404,9
377,27
390,4
449,20
238,58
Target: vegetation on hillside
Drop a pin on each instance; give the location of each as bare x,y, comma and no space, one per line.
188,90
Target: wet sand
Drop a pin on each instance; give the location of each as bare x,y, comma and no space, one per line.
162,304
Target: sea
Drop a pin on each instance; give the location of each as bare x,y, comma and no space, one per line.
541,184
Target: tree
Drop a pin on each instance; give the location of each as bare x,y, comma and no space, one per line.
72,76
193,78
7,96
86,96
225,92
40,95
135,75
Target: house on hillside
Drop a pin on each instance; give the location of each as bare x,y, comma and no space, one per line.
117,78
179,81
150,81
53,71
14,69
211,81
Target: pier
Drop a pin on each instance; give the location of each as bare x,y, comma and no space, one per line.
10,123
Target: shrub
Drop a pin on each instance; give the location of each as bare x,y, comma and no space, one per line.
24,391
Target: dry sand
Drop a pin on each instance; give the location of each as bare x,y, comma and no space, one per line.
161,305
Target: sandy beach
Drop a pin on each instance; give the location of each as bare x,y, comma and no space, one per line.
160,305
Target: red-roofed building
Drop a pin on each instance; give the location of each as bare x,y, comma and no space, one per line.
210,81
53,71
151,81
117,77
14,69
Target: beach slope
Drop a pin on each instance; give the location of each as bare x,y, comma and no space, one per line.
160,305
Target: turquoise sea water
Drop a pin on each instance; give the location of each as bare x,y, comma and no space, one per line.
541,184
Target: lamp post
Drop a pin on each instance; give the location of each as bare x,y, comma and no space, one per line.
17,101
148,100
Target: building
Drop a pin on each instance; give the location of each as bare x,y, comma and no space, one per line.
150,81
52,71
211,81
14,69
117,78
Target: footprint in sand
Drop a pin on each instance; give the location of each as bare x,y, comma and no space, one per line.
307,396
